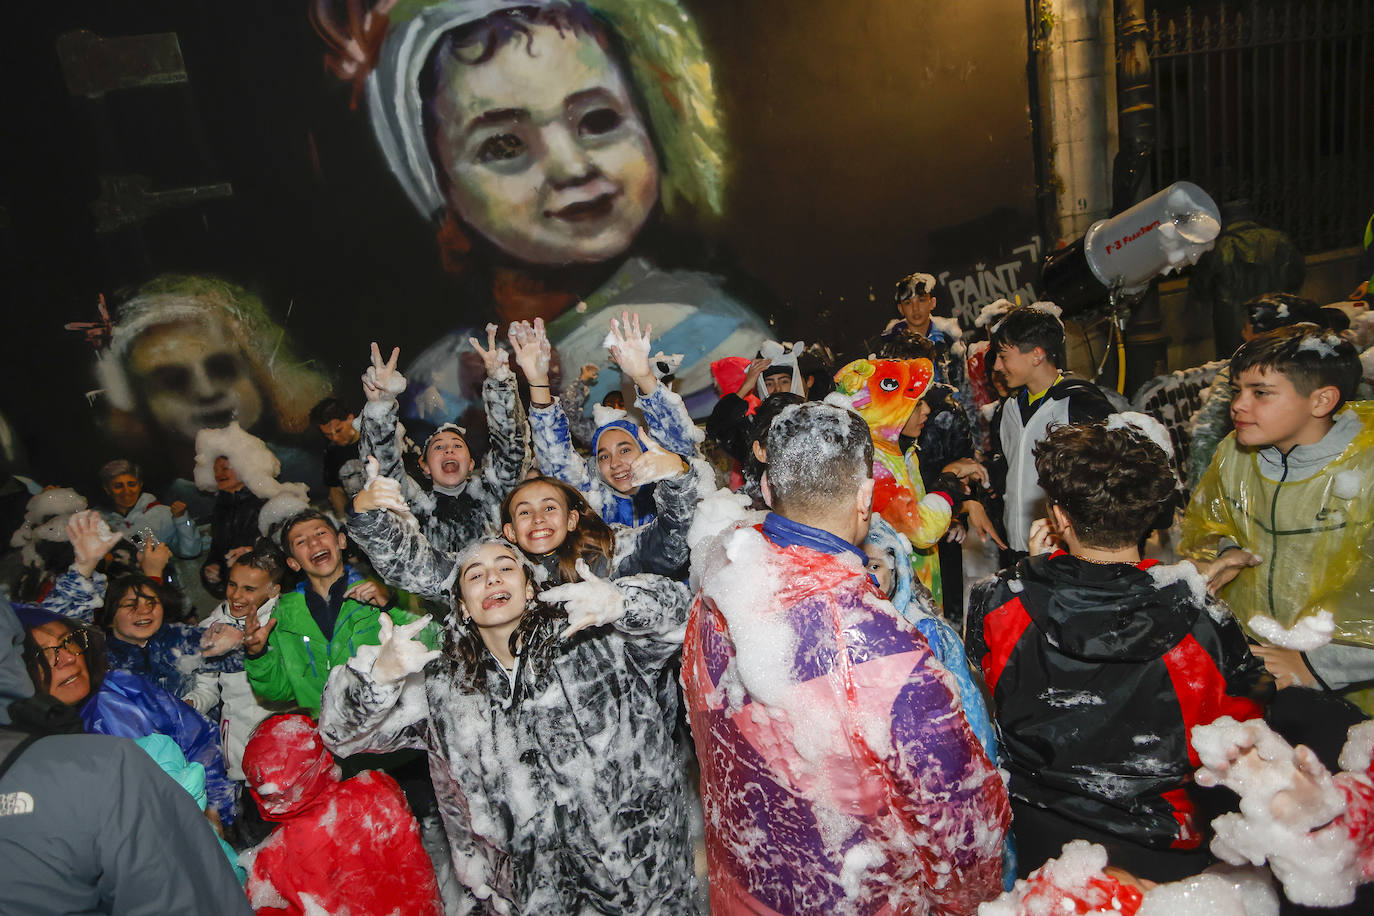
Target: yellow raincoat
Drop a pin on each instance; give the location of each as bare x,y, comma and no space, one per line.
1313,533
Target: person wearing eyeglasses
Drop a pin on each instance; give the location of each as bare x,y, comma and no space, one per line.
77,811
66,661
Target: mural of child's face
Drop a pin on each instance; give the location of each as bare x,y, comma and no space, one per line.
545,153
191,380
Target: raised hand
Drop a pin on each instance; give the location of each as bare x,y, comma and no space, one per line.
255,634
381,493
369,592
533,352
381,381
592,602
399,653
1043,538
654,463
494,358
91,539
751,375
220,638
154,557
629,348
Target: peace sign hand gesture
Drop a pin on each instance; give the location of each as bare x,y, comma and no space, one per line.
494,357
255,634
381,381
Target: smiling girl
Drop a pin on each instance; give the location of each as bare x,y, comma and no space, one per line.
553,758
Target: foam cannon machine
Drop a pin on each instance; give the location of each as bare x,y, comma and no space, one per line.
1112,265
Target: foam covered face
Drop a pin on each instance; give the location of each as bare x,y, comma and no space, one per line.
494,587
879,566
137,616
447,459
226,478
190,380
540,519
616,450
69,680
545,153
124,490
316,548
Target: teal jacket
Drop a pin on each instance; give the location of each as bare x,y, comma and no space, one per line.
298,658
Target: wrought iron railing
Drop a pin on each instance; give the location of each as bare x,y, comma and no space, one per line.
1269,102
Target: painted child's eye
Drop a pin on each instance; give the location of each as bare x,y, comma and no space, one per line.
889,384
599,121
502,147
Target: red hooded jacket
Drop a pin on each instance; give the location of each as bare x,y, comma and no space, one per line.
344,847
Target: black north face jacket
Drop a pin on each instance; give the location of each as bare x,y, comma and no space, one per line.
1098,674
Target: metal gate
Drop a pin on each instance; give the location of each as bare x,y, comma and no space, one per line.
1269,102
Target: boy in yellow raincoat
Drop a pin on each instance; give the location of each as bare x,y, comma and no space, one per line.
1284,516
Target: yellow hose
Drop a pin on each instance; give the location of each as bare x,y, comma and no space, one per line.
1120,359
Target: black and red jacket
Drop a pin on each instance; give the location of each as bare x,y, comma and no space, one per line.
1098,674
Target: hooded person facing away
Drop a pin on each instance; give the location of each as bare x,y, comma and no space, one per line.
89,823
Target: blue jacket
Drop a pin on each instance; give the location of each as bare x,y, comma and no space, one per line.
130,706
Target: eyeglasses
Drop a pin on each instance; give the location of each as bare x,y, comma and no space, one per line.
74,643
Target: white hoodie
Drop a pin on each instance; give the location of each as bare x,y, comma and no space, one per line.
239,712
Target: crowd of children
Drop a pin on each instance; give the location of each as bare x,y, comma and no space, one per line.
471,693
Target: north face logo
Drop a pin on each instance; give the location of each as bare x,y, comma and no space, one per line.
15,803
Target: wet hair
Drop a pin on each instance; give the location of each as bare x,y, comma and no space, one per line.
907,345
1271,311
40,672
818,456
909,287
266,558
329,410
1028,328
1309,356
614,398
300,518
1111,483
591,540
1334,318
118,468
141,585
534,638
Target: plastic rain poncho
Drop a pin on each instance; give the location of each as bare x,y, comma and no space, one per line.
340,846
1309,517
665,419
561,786
837,773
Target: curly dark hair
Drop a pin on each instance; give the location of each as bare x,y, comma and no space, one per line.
1111,483
535,638
40,672
592,540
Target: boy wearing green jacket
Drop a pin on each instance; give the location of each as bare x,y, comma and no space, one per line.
320,624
